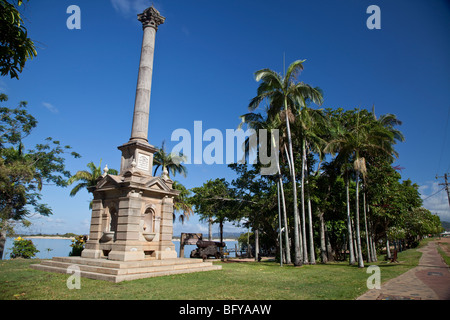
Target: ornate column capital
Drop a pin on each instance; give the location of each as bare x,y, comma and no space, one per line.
151,18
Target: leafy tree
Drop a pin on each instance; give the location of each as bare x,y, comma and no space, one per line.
256,202
23,173
15,46
214,202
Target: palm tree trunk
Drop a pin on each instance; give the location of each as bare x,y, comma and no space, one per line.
221,236
323,247
355,244
286,229
280,238
283,203
2,243
349,225
298,226
388,249
312,256
210,229
305,249
374,248
256,244
369,253
372,239
358,237
330,252
298,261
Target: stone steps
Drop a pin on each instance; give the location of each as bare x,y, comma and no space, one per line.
116,271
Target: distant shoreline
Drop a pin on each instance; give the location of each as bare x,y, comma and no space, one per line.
48,237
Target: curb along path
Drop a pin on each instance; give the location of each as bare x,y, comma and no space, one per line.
430,280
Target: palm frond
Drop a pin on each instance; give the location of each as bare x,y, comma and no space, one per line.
80,175
77,188
268,75
293,72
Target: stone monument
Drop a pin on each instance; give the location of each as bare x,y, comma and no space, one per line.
132,214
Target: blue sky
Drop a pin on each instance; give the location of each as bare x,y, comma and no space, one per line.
81,87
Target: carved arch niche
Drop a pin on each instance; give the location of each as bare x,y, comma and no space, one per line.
149,219
110,219
150,223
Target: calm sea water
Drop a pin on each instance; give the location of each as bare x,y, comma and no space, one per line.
49,248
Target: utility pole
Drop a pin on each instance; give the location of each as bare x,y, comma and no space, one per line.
445,184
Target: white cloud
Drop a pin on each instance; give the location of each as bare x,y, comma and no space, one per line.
133,7
435,199
121,5
50,107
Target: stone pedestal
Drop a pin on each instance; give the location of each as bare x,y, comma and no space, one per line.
113,271
132,218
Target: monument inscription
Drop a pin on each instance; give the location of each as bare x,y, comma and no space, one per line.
143,162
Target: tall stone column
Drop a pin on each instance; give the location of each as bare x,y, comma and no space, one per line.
150,19
137,154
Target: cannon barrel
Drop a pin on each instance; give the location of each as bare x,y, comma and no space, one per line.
205,244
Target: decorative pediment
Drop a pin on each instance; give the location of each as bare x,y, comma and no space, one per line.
109,181
158,184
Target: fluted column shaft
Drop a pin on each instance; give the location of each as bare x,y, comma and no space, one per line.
150,19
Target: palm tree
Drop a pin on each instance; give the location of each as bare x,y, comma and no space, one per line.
336,130
362,137
88,178
309,123
257,122
285,93
169,161
181,202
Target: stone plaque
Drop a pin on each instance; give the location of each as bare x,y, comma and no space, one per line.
143,162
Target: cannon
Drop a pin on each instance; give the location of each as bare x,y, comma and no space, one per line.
207,249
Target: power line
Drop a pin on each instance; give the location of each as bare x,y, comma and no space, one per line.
433,194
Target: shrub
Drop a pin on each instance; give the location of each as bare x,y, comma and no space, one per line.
77,246
23,249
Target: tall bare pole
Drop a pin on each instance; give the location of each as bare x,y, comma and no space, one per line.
445,184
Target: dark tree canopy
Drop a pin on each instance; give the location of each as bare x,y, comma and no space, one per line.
15,45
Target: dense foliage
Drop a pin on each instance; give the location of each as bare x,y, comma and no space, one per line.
15,46
23,248
337,194
23,173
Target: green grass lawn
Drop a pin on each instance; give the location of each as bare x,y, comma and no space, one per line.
443,253
236,281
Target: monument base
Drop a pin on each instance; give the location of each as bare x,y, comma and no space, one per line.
118,271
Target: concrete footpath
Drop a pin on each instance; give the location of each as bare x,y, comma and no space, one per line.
430,280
